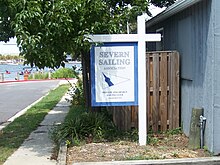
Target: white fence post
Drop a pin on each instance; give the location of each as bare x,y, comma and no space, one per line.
1,77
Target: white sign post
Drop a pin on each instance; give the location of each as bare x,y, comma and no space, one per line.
142,109
141,38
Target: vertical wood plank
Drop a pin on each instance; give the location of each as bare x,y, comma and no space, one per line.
155,92
151,108
126,108
151,92
118,113
129,126
122,118
151,70
127,118
163,96
132,117
176,89
136,116
148,89
114,115
170,76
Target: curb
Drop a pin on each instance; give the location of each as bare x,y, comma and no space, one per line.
61,159
191,161
17,81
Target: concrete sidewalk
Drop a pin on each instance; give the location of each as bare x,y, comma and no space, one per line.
37,149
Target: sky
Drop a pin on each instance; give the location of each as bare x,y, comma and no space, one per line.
11,46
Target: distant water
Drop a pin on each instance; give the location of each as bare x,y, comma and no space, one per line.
15,69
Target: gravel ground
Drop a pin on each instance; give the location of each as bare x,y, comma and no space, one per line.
160,147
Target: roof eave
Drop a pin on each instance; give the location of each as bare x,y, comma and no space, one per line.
173,9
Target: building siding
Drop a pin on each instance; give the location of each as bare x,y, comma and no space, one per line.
200,63
208,68
216,115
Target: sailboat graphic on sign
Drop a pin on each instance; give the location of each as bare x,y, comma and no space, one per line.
108,80
112,80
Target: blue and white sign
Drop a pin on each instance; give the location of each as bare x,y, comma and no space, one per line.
114,74
100,95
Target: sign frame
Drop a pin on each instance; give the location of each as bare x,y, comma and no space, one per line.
93,63
141,37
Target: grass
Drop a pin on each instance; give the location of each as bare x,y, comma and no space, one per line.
12,136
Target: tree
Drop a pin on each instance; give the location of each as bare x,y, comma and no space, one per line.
6,17
46,29
162,3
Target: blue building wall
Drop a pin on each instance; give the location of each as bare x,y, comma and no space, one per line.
195,33
216,113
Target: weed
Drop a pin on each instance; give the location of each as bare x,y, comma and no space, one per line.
207,151
132,135
205,148
175,155
174,131
152,140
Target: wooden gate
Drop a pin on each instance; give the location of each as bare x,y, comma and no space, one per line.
162,95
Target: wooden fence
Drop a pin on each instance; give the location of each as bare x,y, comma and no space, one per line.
162,95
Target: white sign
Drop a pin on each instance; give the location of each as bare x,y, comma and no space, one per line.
141,38
114,79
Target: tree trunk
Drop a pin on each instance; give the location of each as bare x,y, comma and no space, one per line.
86,83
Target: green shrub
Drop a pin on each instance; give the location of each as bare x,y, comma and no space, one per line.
64,73
77,96
38,76
83,126
59,73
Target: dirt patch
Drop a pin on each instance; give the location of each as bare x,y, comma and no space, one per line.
159,147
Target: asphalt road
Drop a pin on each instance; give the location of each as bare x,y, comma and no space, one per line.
16,96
